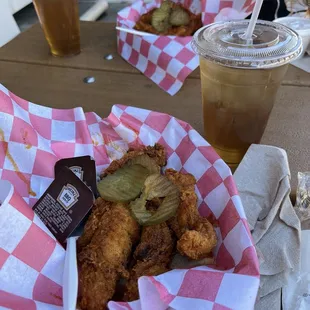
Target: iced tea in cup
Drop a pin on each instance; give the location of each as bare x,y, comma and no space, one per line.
240,79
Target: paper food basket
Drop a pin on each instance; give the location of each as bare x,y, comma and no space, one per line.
168,60
33,138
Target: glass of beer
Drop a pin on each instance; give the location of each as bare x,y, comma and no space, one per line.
60,22
239,81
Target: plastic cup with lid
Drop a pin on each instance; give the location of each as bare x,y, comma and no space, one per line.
240,79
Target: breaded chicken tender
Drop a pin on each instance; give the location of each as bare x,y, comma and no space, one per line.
187,212
198,242
102,261
99,208
96,285
196,234
152,256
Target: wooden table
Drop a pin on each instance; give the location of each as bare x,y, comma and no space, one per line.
27,69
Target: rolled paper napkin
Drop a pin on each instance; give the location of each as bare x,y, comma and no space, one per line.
263,181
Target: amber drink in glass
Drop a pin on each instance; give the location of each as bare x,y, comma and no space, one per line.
60,22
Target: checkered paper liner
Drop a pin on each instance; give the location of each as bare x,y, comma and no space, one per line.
33,138
168,60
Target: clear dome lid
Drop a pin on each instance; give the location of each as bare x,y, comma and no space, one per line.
272,44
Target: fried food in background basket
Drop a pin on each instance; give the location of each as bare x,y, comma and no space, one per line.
169,19
136,194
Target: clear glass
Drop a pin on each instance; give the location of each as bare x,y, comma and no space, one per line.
61,25
236,106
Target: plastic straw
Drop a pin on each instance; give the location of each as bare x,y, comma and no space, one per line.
140,33
95,11
254,17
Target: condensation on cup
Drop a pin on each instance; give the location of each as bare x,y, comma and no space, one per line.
240,79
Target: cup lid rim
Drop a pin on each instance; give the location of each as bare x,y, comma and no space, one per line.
210,42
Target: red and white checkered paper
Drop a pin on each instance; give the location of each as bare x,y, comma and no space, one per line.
168,60
31,260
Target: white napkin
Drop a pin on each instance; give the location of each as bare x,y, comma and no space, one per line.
296,294
303,63
263,181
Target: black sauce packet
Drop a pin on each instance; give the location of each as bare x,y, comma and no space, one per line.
83,167
64,204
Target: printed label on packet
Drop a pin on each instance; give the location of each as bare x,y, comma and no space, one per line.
78,171
83,167
64,204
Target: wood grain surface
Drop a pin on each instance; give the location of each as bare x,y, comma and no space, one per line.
289,128
98,39
28,69
64,88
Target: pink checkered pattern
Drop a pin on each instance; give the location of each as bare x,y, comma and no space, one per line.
168,60
35,137
31,260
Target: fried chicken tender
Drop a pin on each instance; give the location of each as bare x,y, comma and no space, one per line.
152,256
156,152
102,261
187,212
196,234
97,284
98,210
198,242
143,268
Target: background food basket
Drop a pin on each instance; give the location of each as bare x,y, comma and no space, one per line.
168,60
